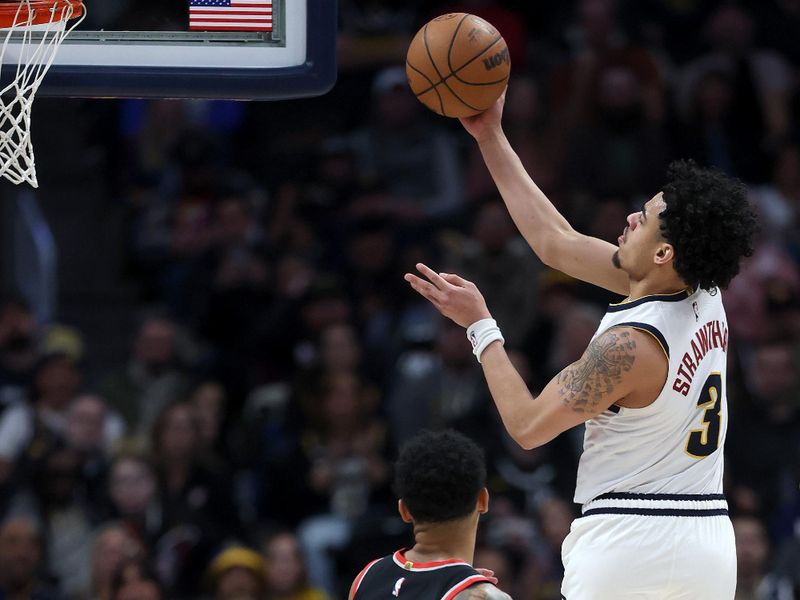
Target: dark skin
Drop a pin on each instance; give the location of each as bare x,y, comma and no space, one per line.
450,539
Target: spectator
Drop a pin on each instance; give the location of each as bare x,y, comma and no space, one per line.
91,428
337,351
554,517
151,379
753,580
371,276
286,569
29,430
441,389
209,400
598,45
21,560
192,492
530,132
346,449
238,573
409,161
308,302
778,201
760,87
138,590
707,129
527,478
373,34
93,432
498,260
18,332
762,301
58,494
236,270
619,152
510,22
197,507
134,580
771,423
114,544
133,495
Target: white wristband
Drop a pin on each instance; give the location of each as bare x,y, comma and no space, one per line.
482,333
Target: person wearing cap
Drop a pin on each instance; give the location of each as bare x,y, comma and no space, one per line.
408,162
238,573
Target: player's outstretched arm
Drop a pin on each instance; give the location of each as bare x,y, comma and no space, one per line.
619,364
550,235
483,591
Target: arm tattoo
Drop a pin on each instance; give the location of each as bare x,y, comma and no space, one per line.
483,592
584,384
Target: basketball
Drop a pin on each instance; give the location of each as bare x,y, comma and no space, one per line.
458,65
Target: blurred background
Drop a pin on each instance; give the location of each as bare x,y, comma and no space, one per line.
209,357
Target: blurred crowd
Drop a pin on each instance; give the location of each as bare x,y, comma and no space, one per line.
243,451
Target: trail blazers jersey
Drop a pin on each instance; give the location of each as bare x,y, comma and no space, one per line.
674,445
395,577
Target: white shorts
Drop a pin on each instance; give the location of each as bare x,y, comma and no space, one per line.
650,547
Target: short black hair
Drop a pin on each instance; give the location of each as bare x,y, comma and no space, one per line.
709,222
439,476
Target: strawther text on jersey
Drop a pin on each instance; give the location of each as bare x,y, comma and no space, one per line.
713,334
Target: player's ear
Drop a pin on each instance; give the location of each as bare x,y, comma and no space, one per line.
405,514
664,253
483,501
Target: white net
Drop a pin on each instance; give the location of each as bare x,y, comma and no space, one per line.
28,50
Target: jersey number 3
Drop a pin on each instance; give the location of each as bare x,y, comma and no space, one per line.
703,442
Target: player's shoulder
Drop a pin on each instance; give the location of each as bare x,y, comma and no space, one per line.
482,591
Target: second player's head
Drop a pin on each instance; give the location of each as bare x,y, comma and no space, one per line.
440,477
698,228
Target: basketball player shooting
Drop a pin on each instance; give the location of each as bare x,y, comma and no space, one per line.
440,478
650,387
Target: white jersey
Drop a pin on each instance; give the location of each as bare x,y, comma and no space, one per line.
674,445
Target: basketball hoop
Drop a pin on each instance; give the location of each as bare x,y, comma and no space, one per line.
32,31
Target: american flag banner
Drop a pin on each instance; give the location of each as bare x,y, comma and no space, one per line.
230,15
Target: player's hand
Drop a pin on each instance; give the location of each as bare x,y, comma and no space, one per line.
487,123
456,298
489,574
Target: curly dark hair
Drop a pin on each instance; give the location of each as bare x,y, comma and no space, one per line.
439,475
709,222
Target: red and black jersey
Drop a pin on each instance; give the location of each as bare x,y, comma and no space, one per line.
395,576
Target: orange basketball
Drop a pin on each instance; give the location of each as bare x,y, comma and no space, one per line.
458,65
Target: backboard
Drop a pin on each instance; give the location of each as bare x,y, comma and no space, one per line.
235,49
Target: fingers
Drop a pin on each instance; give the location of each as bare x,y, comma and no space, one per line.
453,279
425,289
434,277
439,287
489,574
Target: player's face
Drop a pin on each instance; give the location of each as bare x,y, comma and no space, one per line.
639,240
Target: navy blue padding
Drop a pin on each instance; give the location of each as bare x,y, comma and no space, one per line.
314,78
649,329
676,297
658,512
637,496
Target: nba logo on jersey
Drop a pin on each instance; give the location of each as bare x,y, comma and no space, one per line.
397,585
696,311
